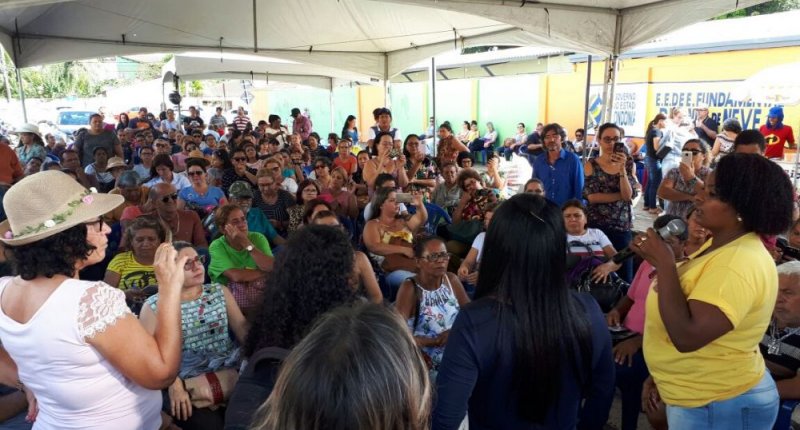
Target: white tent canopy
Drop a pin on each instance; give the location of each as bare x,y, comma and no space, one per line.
374,38
207,65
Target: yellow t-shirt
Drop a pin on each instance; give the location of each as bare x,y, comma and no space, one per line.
132,274
741,280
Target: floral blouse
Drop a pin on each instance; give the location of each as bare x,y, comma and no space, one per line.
614,216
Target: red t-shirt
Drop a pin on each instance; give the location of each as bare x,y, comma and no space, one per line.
776,139
347,163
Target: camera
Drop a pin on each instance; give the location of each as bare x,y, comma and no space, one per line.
483,192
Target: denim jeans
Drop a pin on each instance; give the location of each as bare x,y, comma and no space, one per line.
753,409
394,280
620,240
653,166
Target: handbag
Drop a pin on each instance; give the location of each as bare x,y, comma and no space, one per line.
663,151
606,293
394,262
211,389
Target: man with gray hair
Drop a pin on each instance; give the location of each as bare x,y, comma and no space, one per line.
780,345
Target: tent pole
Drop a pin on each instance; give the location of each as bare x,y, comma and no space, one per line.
433,103
386,101
330,102
15,42
586,108
612,64
5,73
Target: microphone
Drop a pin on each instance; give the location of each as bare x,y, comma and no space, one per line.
673,228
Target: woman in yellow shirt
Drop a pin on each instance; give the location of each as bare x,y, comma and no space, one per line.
706,316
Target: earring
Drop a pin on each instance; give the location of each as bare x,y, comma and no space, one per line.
738,218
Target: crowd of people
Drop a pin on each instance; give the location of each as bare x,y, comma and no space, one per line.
178,274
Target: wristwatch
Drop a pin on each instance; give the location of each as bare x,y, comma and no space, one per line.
249,248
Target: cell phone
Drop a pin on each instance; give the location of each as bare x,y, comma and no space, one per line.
404,198
619,147
686,157
394,153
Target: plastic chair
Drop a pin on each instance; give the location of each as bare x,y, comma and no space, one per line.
480,156
436,216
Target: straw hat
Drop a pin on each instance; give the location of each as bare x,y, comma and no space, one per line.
197,156
115,162
47,203
28,128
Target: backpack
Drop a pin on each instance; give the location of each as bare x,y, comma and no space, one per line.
254,387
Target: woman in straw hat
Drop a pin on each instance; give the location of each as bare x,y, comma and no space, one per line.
30,143
74,344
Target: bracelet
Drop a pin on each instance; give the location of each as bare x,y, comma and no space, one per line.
20,386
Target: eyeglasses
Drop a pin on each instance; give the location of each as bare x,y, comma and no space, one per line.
239,159
98,223
195,173
437,256
693,151
192,262
173,196
320,166
610,139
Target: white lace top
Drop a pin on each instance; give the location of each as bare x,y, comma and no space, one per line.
76,387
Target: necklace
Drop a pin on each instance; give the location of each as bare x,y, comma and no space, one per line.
177,229
774,346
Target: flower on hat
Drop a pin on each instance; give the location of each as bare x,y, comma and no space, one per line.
87,199
49,223
8,235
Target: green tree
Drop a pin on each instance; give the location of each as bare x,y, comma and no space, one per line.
773,6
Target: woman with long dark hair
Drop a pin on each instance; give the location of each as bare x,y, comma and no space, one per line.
706,317
652,139
349,130
527,353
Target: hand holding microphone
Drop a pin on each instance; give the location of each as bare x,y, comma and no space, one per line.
652,246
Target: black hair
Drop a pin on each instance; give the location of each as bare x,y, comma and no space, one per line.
464,155
324,160
344,127
161,160
740,181
446,125
605,127
750,137
201,163
54,255
309,208
378,198
311,277
383,178
557,128
225,157
549,326
420,242
272,118
381,134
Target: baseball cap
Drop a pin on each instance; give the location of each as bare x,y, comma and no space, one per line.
240,190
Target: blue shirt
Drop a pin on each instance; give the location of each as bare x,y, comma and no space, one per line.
258,222
210,198
563,180
477,375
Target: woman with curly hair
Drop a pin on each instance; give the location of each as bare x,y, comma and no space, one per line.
307,190
705,318
311,276
132,271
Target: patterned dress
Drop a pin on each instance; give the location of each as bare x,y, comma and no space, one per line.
437,311
614,216
207,344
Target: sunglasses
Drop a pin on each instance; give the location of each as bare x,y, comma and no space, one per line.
239,159
320,166
195,173
192,262
437,256
173,196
